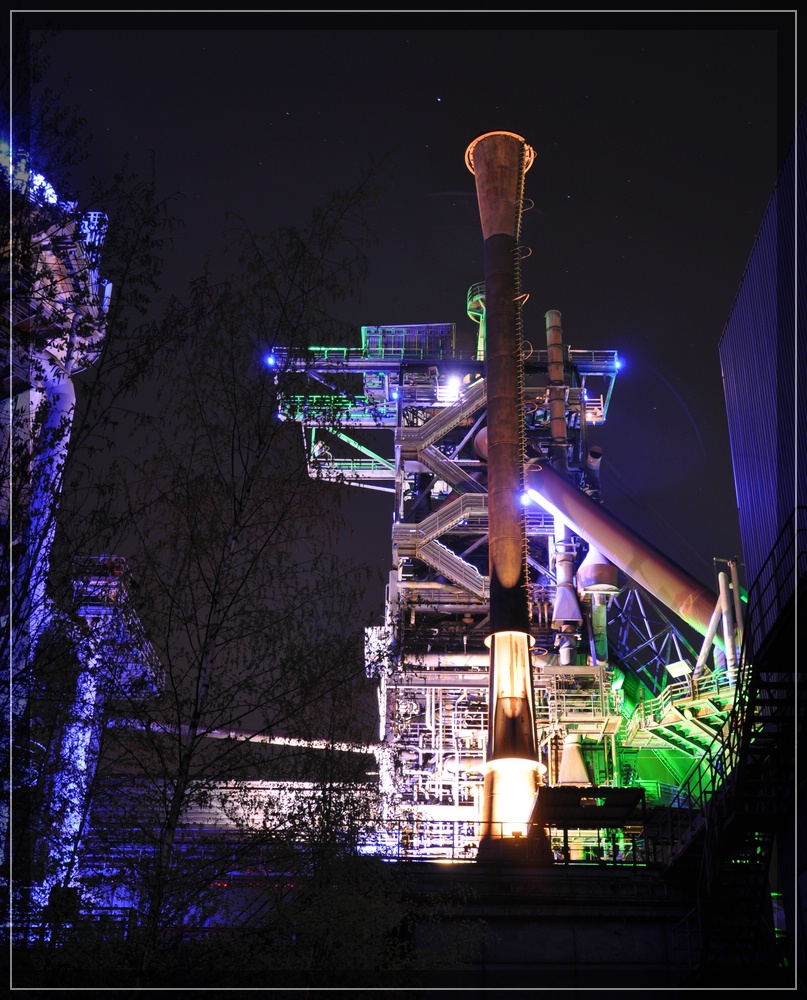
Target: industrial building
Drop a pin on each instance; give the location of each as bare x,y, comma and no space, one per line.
651,741
597,748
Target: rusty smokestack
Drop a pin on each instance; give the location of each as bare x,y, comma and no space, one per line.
499,161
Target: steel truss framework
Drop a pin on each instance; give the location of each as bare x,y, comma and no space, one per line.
409,407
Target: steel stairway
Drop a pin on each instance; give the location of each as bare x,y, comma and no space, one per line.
733,930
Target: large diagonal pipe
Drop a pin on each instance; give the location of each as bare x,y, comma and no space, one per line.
648,566
498,161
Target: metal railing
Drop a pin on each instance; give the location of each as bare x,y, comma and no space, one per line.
707,790
417,839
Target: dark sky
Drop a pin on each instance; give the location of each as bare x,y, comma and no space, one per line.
657,142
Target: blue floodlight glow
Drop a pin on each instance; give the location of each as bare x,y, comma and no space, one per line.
270,360
394,393
618,363
550,508
42,191
21,178
526,499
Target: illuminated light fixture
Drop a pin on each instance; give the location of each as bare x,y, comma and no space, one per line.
270,360
679,669
618,363
449,390
550,508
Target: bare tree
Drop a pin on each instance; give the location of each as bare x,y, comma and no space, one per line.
72,353
251,616
241,669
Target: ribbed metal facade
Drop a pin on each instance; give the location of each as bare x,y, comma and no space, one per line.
759,355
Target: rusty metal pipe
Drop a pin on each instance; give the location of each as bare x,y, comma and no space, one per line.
637,558
498,161
557,391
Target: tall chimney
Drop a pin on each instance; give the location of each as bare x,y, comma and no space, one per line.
498,161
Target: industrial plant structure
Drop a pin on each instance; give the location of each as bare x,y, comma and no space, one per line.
569,723
559,694
500,530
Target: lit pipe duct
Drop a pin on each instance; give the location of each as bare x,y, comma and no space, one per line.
638,559
498,161
728,627
599,627
738,607
597,578
708,639
593,462
557,392
453,661
566,616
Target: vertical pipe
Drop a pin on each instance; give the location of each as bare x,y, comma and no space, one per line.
498,161
728,628
738,606
708,638
557,392
566,616
593,463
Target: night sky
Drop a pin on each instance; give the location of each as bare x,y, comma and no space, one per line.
658,144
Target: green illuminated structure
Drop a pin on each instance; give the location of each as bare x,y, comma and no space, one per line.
628,696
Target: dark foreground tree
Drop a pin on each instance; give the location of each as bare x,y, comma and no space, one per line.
77,342
187,709
258,673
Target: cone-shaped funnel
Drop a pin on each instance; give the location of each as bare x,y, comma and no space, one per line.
573,770
596,574
566,610
499,160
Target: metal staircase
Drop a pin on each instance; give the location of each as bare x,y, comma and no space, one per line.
473,398
732,933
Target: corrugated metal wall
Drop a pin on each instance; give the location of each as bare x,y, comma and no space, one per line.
758,356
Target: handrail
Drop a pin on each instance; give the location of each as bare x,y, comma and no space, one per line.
709,787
